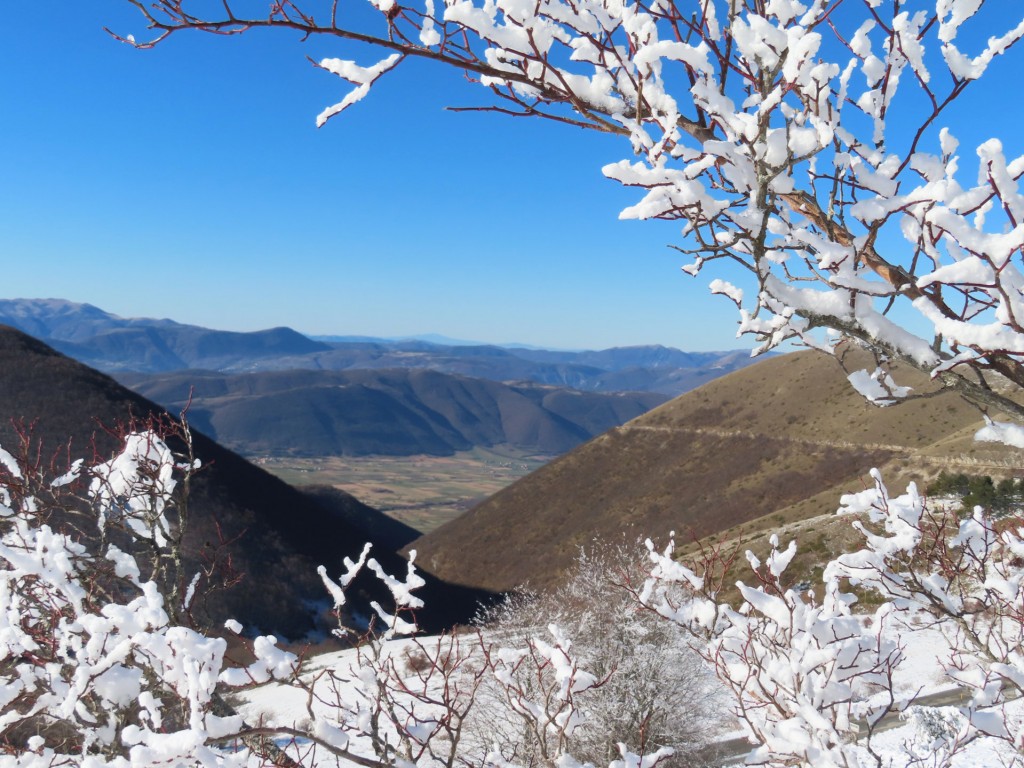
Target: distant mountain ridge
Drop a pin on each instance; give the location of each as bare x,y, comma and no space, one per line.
430,338
113,344
395,412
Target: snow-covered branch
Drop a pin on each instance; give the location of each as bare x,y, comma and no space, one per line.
802,673
809,142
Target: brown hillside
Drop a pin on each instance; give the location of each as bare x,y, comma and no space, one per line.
784,437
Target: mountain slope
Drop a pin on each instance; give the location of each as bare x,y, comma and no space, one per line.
389,412
643,368
786,436
279,535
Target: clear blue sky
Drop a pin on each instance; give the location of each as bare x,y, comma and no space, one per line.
190,182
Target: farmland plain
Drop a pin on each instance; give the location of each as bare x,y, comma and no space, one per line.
420,491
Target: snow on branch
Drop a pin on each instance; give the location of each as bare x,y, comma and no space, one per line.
877,387
361,77
959,575
801,673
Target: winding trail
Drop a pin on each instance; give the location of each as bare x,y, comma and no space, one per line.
718,432
900,451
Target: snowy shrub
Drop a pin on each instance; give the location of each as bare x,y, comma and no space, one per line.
96,663
801,672
654,690
812,680
963,576
938,734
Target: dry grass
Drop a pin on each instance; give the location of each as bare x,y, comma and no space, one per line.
770,445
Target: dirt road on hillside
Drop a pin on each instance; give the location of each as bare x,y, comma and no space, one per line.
901,451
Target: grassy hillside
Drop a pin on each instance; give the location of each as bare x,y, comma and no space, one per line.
778,441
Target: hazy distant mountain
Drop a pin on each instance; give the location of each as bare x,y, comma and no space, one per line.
430,338
65,320
389,412
783,439
278,535
115,344
110,343
653,356
639,369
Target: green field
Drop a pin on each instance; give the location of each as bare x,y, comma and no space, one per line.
421,491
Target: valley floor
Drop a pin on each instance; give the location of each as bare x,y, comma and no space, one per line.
421,491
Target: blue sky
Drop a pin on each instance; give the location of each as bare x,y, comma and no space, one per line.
190,182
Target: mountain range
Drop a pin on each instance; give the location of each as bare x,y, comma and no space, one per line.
113,344
770,444
277,392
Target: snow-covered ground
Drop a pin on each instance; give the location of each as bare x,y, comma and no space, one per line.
920,673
